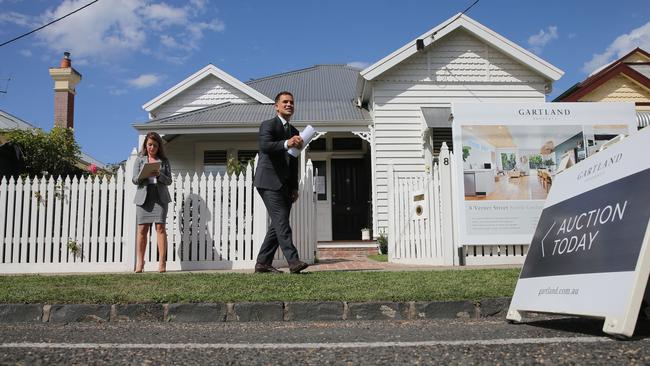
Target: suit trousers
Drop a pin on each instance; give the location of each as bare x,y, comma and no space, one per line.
278,205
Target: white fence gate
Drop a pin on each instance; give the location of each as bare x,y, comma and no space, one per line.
212,223
420,215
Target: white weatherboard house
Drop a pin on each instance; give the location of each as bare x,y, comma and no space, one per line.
396,111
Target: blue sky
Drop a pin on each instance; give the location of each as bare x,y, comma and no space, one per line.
130,51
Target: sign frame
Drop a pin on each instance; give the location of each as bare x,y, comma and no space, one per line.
608,287
512,221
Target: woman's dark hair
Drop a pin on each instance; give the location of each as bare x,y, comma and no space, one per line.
156,137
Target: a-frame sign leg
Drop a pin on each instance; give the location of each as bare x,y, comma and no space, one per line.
626,324
515,316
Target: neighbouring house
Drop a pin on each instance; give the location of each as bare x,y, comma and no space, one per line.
624,80
395,112
65,79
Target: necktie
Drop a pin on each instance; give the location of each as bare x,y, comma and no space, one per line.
287,133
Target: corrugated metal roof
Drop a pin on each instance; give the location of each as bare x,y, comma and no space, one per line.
226,113
10,121
322,93
642,69
643,118
229,113
320,82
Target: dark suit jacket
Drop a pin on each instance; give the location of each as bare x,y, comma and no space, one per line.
272,171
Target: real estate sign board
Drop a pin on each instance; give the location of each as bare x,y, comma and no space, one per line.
511,156
589,254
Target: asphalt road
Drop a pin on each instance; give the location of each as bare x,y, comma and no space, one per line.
543,341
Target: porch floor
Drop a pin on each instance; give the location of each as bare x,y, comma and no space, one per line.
355,249
347,244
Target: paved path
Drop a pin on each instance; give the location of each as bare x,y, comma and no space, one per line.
362,263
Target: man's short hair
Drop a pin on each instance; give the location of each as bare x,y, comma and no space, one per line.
277,97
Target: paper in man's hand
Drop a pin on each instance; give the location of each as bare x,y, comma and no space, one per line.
147,169
307,134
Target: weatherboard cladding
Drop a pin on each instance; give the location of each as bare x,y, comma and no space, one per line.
322,93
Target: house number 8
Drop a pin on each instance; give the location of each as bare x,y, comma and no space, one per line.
445,161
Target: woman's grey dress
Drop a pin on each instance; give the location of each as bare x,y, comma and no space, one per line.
152,208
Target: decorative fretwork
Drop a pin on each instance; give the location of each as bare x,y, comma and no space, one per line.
365,135
317,136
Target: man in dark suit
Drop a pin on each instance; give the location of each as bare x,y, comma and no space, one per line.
276,179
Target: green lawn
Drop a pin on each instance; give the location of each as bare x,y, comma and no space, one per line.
239,287
379,257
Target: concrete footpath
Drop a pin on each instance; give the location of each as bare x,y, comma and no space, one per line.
266,311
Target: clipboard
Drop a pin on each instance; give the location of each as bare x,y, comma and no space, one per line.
147,169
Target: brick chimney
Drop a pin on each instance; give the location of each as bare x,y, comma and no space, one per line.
65,80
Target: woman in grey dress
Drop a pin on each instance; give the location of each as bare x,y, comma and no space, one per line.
151,199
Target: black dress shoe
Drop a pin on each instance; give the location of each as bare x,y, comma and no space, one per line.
265,268
297,266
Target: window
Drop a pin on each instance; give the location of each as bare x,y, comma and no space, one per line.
346,143
244,156
536,161
508,161
214,161
318,145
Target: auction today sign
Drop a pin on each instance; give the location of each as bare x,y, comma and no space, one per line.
589,254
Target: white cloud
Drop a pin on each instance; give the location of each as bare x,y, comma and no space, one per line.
639,37
102,30
199,4
164,14
26,52
13,17
542,38
358,64
107,30
144,81
169,41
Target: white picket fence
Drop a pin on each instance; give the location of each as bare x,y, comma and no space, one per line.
212,223
426,236
39,218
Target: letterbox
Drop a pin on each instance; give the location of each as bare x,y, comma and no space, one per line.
419,204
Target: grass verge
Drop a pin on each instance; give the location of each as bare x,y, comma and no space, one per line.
379,257
241,287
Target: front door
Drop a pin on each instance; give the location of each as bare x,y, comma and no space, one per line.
350,198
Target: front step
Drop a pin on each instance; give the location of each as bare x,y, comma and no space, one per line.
346,249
